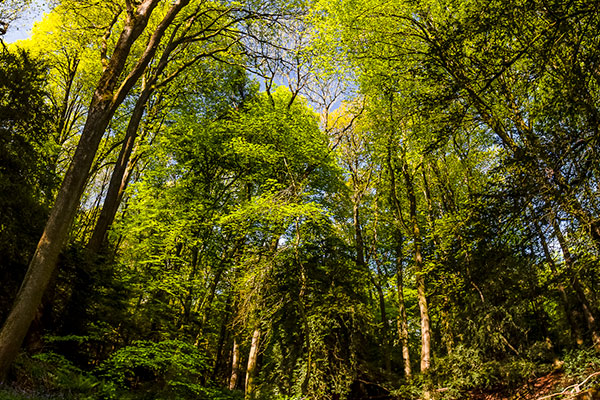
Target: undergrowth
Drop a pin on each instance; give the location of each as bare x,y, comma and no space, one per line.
176,370
144,370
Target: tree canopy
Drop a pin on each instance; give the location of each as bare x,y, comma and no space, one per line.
300,200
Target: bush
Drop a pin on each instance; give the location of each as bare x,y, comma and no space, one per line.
167,369
50,375
578,362
466,369
14,394
145,370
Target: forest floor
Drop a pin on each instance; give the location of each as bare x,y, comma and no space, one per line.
553,386
37,382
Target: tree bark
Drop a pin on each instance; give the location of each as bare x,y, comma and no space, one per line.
571,319
425,329
108,95
579,292
362,265
205,307
235,365
120,175
387,362
252,363
358,238
223,335
402,321
64,114
420,278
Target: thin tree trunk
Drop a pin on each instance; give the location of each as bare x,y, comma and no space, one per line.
420,278
362,265
206,306
585,304
571,319
122,171
387,362
402,321
252,364
425,329
235,365
120,175
302,310
63,113
219,363
358,238
184,319
447,336
102,107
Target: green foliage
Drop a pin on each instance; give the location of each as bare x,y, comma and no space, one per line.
409,390
7,393
25,130
27,179
472,141
165,369
318,314
50,375
171,369
578,362
466,369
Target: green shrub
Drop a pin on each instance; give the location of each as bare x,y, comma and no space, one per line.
409,390
167,369
578,362
466,369
13,394
50,375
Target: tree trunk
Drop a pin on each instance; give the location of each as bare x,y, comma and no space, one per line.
219,364
120,175
252,363
102,107
387,362
65,112
447,336
302,310
571,319
235,365
579,292
362,265
358,238
402,321
420,278
425,329
206,306
184,319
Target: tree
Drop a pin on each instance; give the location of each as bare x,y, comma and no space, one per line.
26,173
213,37
108,95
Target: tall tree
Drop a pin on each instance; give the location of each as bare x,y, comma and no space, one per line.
26,172
108,95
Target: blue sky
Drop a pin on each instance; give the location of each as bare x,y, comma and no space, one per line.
21,28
